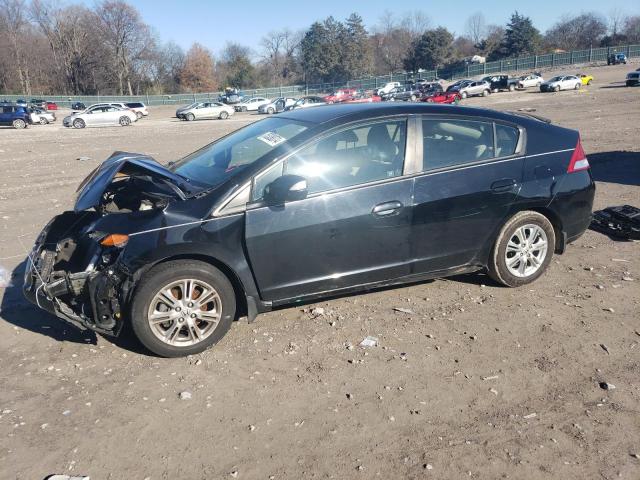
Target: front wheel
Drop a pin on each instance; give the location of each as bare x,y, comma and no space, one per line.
485,93
78,123
463,95
43,121
577,87
270,110
556,89
413,98
523,249
124,121
182,307
224,115
190,117
512,87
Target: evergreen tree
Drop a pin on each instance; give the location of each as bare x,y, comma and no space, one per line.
356,48
430,51
520,37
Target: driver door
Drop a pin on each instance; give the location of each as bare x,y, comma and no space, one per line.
353,227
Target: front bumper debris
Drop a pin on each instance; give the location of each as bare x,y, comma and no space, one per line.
86,296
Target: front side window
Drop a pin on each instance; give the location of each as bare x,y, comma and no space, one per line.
360,154
449,142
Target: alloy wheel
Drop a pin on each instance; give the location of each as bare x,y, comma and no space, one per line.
185,312
526,250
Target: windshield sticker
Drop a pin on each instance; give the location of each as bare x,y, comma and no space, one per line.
272,139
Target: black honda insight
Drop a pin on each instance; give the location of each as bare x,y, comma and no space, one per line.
310,203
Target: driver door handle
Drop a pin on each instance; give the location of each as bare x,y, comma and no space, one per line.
387,208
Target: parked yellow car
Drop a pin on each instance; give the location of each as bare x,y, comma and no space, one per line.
586,79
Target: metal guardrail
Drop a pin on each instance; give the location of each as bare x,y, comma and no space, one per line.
531,63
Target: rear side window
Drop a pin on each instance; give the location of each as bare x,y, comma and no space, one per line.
448,142
506,140
134,105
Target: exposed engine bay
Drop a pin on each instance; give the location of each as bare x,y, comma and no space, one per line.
74,270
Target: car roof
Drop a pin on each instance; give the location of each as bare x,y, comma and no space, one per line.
345,113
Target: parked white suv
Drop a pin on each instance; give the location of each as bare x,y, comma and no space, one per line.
388,87
528,81
139,108
251,104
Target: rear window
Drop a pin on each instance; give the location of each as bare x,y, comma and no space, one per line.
134,105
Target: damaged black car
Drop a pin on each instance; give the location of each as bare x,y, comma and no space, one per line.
312,203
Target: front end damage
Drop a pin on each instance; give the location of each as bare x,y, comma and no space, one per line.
75,270
71,275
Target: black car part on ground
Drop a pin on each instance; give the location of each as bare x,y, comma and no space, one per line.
620,222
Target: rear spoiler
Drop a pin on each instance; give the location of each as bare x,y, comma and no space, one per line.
531,115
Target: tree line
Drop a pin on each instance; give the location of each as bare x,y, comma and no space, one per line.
72,49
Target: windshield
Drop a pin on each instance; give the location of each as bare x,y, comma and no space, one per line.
219,161
555,79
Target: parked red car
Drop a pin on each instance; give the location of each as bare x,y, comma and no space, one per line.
52,106
341,95
443,97
363,98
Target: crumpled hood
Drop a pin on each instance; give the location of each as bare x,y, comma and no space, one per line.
91,189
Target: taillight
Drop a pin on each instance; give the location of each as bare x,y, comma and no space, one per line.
578,159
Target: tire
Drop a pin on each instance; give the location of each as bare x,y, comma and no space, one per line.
146,301
43,121
223,115
19,124
270,110
463,94
556,88
485,93
430,100
139,115
79,123
124,121
577,87
413,98
243,109
589,82
190,117
509,238
495,90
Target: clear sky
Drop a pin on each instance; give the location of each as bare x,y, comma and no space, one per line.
213,23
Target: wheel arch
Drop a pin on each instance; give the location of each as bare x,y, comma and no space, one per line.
556,222
239,290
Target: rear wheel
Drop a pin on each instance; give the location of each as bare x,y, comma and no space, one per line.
138,115
485,93
43,121
589,82
577,87
224,115
78,123
19,124
523,249
182,307
512,87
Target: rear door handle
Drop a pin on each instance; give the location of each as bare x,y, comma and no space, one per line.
387,208
503,185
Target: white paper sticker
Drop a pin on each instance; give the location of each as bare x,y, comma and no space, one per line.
272,139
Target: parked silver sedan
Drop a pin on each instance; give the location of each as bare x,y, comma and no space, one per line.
42,117
205,110
100,115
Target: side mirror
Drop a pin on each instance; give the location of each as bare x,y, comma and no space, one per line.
286,188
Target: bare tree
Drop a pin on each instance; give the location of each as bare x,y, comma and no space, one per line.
278,52
476,27
13,19
126,36
616,20
392,39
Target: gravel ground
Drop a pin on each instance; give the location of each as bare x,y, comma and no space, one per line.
469,379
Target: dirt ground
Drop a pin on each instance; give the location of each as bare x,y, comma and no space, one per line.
471,381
